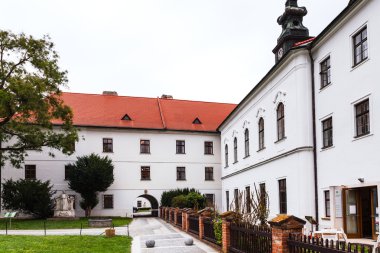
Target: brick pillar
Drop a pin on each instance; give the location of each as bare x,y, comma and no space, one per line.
183,220
186,222
225,236
175,215
166,214
201,227
282,226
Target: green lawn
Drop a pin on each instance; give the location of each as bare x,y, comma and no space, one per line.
65,244
39,224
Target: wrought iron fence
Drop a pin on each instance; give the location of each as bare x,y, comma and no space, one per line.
179,219
194,224
209,233
304,244
248,238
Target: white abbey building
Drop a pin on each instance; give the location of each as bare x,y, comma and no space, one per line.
322,92
156,144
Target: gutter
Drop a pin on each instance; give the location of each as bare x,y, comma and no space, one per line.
315,163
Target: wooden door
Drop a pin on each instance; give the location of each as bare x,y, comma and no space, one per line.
351,213
374,214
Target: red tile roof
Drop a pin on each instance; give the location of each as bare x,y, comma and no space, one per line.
145,113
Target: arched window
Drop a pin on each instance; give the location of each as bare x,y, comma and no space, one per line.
261,134
235,150
246,142
226,155
280,122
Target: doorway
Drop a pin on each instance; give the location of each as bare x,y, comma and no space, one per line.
360,212
145,206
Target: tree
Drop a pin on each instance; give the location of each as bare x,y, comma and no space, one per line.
88,176
29,196
30,102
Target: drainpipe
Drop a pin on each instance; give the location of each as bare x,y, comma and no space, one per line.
315,164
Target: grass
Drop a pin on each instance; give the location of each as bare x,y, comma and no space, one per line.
65,244
39,224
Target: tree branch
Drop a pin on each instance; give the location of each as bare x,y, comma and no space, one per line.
22,61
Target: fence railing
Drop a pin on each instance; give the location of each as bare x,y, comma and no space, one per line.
194,224
248,238
209,233
179,219
300,244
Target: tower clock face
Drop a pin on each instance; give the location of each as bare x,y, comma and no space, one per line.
280,53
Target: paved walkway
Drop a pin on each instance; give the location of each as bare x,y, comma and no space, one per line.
168,238
85,231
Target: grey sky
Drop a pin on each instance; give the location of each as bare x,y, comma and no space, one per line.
210,50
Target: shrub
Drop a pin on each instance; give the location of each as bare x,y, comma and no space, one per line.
179,201
29,196
195,200
167,196
217,223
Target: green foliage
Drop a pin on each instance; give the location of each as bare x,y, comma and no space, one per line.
29,196
88,176
30,82
167,196
217,223
179,201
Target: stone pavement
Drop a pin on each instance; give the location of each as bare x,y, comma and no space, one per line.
168,238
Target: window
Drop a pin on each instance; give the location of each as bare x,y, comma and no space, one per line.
280,122
235,150
360,46
209,200
107,201
209,148
236,199
327,132
227,200
263,194
145,173
30,171
261,134
73,198
67,171
226,155
248,198
107,145
325,72
327,203
180,147
181,173
209,173
145,146
246,142
197,121
139,203
282,195
362,118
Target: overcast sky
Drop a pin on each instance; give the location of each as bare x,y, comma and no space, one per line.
209,50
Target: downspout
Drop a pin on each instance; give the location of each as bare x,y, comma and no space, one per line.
315,164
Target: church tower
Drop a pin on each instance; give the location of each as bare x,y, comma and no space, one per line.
293,30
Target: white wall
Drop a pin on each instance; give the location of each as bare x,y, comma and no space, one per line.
127,160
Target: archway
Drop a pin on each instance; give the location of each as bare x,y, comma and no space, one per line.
144,209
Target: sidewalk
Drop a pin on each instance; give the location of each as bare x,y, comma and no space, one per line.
87,231
168,238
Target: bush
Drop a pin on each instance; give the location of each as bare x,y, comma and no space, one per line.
167,196
192,200
179,201
29,196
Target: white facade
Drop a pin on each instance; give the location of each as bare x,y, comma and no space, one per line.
128,186
350,158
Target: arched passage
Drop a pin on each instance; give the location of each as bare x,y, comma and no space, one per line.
153,204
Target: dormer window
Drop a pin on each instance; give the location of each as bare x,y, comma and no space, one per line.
197,121
126,117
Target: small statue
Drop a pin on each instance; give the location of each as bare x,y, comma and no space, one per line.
64,206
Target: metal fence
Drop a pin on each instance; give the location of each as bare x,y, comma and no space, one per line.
208,233
248,238
194,224
179,219
304,244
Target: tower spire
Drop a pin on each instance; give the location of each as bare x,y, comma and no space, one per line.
293,30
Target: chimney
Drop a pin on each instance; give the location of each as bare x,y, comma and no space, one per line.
164,96
110,93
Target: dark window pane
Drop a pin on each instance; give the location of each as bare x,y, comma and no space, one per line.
235,150
226,155
144,146
209,173
180,147
280,122
327,203
327,132
107,145
261,133
227,200
145,173
209,147
108,201
325,73
236,199
30,171
360,46
209,200
181,173
248,198
362,118
282,195
246,142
